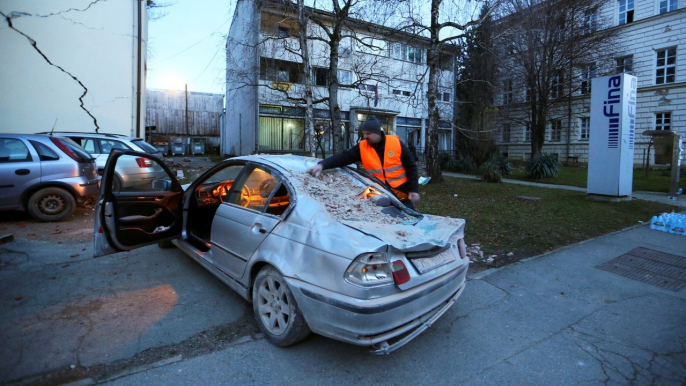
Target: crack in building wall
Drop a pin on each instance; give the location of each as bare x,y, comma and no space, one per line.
34,44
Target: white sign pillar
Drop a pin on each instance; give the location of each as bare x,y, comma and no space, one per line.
612,133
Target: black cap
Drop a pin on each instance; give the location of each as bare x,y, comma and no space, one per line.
372,125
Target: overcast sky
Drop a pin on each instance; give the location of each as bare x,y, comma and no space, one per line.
186,45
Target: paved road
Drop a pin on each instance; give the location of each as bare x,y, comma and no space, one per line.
153,317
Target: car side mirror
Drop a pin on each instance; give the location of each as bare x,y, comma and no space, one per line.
163,185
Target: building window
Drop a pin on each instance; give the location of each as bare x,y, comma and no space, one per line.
527,132
367,87
556,130
446,97
320,76
557,85
587,73
344,47
585,128
507,92
506,132
400,92
665,68
668,5
408,53
590,21
373,46
345,78
626,11
409,130
625,65
663,121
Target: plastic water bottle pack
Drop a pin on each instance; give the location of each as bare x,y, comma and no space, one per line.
674,223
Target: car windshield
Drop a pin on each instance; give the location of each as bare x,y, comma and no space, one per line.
148,148
351,198
80,152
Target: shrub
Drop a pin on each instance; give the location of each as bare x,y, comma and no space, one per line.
503,163
466,164
447,161
543,166
490,170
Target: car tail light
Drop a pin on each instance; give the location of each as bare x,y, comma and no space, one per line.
144,162
65,149
370,270
400,273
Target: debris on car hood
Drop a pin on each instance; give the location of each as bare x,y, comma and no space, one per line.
343,197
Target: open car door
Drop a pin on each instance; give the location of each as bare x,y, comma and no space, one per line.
134,210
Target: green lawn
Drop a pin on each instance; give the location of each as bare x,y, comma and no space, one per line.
656,181
503,223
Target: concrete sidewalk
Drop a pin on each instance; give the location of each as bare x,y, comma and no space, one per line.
660,197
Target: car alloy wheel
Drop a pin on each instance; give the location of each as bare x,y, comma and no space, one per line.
276,310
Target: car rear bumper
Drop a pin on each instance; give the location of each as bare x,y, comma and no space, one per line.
84,189
375,321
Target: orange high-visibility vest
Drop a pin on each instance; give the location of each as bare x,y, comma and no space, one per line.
392,170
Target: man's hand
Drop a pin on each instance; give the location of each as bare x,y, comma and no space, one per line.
414,197
316,170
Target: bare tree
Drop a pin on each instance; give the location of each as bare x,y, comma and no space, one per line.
550,48
442,30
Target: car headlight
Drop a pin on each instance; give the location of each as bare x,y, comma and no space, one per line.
370,270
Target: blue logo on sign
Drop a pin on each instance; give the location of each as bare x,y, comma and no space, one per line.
613,98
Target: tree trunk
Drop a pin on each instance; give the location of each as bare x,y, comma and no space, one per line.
433,167
310,145
334,108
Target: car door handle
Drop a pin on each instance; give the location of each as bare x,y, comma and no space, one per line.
258,227
22,172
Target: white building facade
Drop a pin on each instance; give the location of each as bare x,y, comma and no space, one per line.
380,72
651,37
73,65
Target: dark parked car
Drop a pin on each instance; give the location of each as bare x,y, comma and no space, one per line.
339,256
46,176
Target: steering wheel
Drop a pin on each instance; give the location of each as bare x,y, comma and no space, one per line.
245,196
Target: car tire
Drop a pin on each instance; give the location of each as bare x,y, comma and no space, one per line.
166,244
51,204
276,310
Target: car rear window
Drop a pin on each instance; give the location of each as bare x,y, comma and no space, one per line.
148,148
78,151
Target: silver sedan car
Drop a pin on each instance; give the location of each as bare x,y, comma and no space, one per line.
339,255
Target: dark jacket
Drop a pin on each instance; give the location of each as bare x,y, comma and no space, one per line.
353,155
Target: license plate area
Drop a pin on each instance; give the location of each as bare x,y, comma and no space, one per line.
427,264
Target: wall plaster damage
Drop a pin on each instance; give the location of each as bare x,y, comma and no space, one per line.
13,15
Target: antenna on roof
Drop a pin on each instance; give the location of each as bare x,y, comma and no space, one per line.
53,126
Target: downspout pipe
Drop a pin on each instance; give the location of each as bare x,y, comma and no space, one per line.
139,80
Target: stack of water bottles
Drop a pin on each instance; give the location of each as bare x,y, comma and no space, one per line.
669,222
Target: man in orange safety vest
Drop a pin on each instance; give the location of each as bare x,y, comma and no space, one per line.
383,156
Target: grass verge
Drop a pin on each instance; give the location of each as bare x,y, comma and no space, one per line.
656,180
503,223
